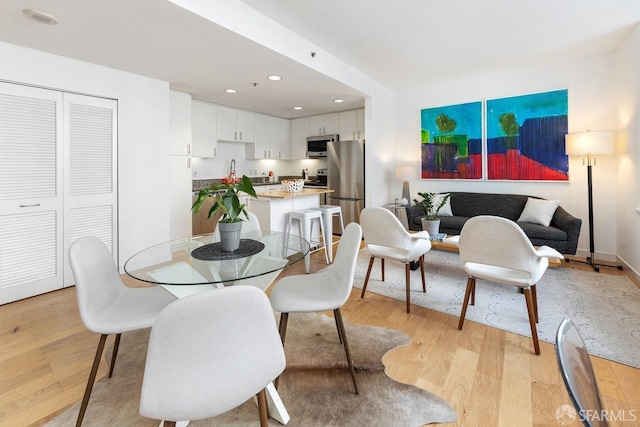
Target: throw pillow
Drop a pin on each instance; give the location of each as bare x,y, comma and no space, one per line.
539,211
445,210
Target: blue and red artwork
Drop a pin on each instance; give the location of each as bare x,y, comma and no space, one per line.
451,139
525,137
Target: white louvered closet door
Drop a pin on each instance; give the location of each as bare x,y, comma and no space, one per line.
90,207
31,191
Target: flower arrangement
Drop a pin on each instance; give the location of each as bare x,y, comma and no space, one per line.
226,198
432,203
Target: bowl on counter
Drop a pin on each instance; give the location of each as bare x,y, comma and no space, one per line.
292,185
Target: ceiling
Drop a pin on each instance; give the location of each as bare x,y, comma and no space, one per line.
400,44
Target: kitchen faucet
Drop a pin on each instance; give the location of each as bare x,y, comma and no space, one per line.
232,168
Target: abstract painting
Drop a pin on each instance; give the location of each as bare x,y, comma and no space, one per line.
525,137
451,139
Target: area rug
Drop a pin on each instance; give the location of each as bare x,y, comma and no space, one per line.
316,387
605,308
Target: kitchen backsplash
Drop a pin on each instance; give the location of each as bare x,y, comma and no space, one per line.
199,184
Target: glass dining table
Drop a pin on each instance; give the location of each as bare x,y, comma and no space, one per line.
196,264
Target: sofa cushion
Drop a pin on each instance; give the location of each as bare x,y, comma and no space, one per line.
474,204
539,211
537,231
453,222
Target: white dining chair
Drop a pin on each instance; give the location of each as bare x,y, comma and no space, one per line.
385,237
496,249
106,305
325,290
209,353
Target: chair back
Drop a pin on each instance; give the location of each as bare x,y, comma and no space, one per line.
209,353
497,241
577,373
98,282
252,223
380,227
344,264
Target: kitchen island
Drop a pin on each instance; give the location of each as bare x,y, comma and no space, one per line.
271,207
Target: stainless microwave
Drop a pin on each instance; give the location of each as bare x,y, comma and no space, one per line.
317,145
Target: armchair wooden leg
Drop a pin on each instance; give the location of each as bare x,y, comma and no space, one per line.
407,275
424,281
534,296
92,379
262,408
282,329
382,262
338,316
473,293
532,322
471,281
114,354
366,279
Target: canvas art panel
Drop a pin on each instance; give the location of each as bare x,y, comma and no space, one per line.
525,137
451,142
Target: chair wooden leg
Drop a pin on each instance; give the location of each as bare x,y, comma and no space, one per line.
262,408
407,278
92,379
169,424
366,279
338,316
473,293
282,329
534,296
114,354
534,331
382,262
424,281
338,328
471,281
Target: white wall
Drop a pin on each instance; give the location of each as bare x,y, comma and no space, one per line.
592,101
143,135
628,183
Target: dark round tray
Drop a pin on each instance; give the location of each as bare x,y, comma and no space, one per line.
214,252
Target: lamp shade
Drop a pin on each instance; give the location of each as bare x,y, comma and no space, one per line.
406,173
596,142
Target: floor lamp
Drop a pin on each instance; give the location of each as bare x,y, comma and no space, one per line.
406,174
587,144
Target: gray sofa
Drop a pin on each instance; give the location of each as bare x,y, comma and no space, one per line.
562,234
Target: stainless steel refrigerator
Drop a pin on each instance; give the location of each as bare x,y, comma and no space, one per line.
345,164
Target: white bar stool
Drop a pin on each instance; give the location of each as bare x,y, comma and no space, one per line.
328,212
305,219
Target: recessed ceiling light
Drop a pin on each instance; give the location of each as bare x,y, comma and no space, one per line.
274,78
40,17
297,108
338,100
230,90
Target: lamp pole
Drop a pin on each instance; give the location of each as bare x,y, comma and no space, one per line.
590,260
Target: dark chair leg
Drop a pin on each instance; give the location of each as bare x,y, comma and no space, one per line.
282,329
338,316
473,293
532,322
424,281
382,262
92,379
471,281
262,408
366,279
338,328
534,296
116,345
407,278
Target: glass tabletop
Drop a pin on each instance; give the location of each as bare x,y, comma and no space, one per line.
199,260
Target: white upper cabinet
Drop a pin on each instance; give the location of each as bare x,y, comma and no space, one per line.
204,129
272,140
352,124
235,125
180,123
284,139
326,124
299,134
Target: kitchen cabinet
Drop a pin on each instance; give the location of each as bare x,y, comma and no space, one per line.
327,124
299,134
180,123
351,124
272,140
235,125
204,130
284,139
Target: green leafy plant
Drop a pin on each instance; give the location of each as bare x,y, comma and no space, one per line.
226,198
432,203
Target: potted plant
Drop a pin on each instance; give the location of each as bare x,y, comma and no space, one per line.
227,202
432,203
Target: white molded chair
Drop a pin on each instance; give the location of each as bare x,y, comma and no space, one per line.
577,372
387,238
106,305
496,249
251,224
209,353
325,290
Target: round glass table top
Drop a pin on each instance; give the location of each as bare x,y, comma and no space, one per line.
200,260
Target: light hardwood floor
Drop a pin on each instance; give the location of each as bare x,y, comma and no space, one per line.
491,377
